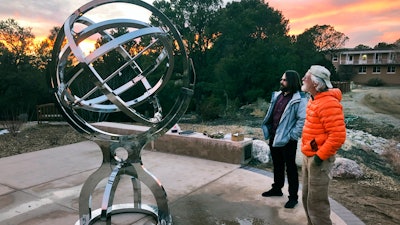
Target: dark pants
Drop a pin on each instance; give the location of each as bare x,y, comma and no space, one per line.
285,157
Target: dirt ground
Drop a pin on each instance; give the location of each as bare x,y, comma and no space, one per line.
374,198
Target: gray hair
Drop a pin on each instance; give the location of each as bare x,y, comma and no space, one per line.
321,85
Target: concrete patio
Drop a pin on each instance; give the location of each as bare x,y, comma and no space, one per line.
43,188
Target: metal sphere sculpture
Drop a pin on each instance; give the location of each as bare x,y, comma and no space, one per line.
134,66
132,63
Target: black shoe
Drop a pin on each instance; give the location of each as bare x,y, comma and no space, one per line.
272,192
291,204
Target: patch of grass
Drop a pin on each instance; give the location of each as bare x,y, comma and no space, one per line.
387,131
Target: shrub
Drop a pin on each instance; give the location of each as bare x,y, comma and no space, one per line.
13,121
211,108
392,155
375,82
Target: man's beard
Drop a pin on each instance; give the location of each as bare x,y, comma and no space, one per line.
284,89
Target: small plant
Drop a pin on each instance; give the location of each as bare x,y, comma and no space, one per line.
13,123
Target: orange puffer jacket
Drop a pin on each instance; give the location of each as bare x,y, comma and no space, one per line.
325,124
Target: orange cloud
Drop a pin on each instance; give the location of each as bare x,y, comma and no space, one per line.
367,20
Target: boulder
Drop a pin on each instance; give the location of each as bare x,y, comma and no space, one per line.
346,168
260,151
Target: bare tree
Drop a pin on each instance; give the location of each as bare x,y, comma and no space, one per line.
325,37
18,40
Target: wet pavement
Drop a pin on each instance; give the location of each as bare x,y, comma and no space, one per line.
43,188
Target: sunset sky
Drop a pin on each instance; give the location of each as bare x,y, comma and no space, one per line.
365,22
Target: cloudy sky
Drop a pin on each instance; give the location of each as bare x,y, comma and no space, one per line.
365,22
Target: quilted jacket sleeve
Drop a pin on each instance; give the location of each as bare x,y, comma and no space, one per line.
332,121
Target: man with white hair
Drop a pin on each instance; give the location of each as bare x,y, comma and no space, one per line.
324,132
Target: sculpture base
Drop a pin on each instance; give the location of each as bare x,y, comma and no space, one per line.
113,168
144,210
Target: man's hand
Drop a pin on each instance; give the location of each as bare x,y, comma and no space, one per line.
318,161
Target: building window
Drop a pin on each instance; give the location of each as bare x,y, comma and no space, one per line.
378,58
392,57
350,58
364,57
334,58
376,69
362,70
391,69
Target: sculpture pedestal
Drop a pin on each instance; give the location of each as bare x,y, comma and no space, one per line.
113,167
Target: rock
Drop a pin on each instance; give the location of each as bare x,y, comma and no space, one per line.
260,151
362,140
346,168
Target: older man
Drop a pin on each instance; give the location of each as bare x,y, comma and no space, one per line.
324,132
